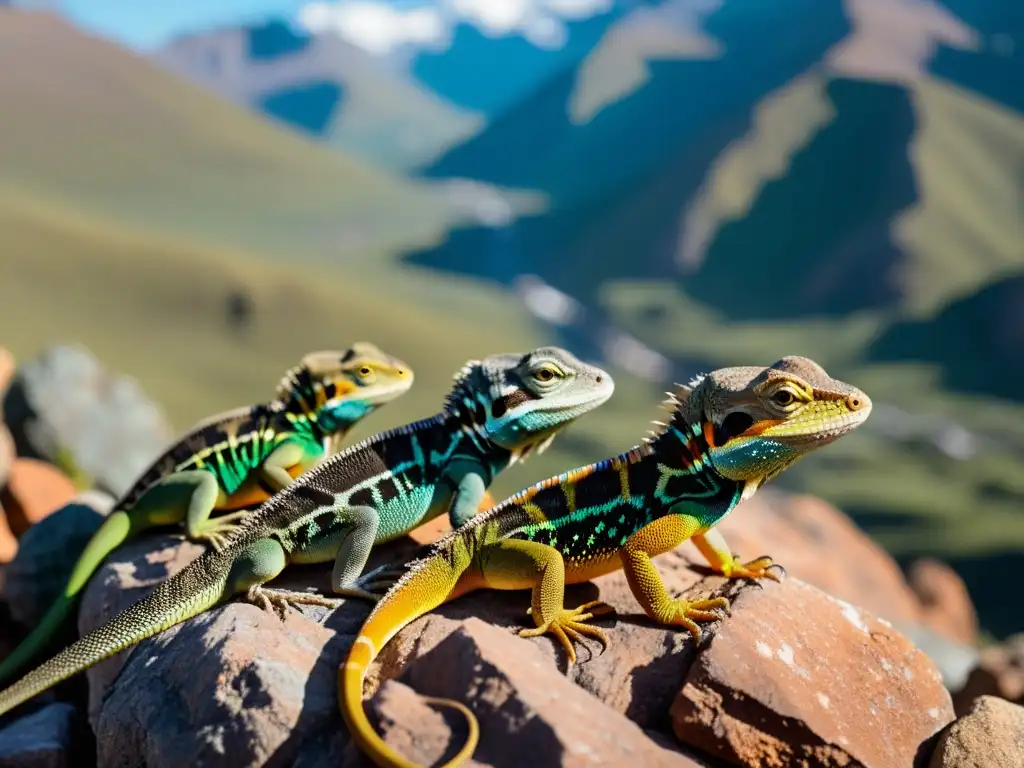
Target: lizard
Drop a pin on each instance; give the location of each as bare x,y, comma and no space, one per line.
498,411
235,460
730,432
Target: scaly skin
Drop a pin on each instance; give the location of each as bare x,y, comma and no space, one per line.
234,460
731,431
498,411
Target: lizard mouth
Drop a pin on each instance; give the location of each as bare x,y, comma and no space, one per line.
378,395
826,422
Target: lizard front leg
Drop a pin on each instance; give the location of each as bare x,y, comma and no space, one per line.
276,472
350,549
713,546
515,564
645,582
468,485
469,481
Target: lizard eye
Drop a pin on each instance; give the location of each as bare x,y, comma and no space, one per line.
783,397
365,371
544,374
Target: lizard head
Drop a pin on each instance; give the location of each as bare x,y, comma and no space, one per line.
520,402
758,421
341,387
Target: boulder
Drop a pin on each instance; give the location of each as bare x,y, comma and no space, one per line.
47,553
8,542
7,451
34,490
100,428
50,737
529,714
797,677
999,672
945,604
819,544
990,735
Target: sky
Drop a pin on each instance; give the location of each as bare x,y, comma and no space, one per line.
144,24
377,25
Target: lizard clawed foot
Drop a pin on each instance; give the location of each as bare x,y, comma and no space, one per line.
372,585
218,530
568,626
279,601
760,568
687,613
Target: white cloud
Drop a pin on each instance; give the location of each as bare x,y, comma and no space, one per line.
376,27
381,28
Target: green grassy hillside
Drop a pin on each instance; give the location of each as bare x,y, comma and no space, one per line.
132,205
90,126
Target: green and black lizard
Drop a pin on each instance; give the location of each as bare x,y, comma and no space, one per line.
236,460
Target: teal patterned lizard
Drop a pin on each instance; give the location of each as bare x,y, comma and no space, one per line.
499,410
236,460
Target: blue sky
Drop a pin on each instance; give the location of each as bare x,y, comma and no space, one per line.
146,23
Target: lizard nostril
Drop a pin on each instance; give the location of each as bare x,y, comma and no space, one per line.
600,378
854,403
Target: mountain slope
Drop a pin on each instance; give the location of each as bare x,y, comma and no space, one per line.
162,154
842,181
325,87
134,206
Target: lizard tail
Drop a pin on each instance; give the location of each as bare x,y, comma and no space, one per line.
116,529
163,608
417,593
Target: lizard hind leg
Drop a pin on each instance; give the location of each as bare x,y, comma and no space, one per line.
254,566
515,564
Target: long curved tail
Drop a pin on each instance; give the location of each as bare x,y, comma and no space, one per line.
427,586
184,595
116,529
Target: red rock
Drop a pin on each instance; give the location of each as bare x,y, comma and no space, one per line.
411,727
819,544
796,677
946,605
991,734
35,489
8,544
7,368
529,714
999,672
7,452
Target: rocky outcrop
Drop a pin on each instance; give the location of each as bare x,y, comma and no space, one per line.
771,678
